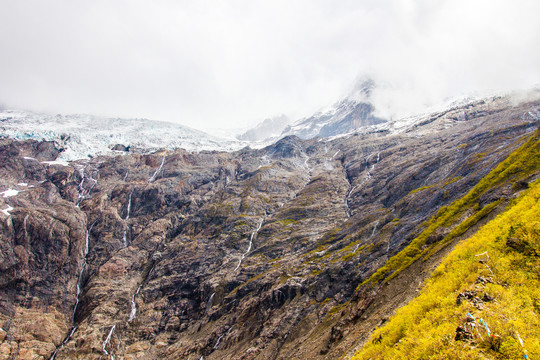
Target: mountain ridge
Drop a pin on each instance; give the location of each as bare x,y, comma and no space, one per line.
253,254
353,112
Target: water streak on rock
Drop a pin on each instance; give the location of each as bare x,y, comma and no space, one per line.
133,312
253,234
106,342
128,212
154,177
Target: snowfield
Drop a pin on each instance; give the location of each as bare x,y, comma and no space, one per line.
84,136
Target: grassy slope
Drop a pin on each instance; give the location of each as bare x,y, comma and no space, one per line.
519,165
426,327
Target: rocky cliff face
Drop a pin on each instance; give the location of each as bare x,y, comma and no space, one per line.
255,254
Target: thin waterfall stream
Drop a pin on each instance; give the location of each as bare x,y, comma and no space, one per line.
133,311
106,342
77,294
253,234
128,212
154,177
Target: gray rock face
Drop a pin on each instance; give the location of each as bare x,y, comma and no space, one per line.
255,254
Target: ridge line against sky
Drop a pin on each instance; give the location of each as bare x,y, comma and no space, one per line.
225,64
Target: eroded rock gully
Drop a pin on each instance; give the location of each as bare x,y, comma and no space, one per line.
255,254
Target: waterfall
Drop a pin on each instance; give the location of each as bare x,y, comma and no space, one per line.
79,281
128,212
124,236
80,188
153,178
376,162
78,293
218,341
63,343
347,198
133,312
221,337
83,193
306,165
372,234
106,342
374,228
209,302
253,234
129,205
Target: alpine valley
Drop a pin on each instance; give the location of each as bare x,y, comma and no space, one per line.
297,250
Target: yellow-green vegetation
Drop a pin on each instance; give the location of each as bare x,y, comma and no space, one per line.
464,226
329,236
338,308
313,253
325,301
520,164
283,278
500,265
286,222
421,189
478,156
348,256
453,180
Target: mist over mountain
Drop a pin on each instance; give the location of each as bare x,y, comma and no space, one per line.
269,128
353,112
392,212
297,250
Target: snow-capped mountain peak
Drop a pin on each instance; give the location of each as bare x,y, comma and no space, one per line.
352,112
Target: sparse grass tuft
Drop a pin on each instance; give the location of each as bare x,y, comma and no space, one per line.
421,189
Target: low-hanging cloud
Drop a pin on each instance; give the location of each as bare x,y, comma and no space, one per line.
221,64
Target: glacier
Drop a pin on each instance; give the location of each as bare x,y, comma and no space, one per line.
81,136
84,136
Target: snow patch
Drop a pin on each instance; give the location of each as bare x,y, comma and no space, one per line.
56,162
9,193
7,210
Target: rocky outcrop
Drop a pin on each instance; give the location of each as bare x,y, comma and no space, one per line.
255,254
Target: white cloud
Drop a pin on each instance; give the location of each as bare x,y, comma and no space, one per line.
225,63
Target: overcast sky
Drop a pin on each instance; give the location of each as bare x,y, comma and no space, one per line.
209,64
